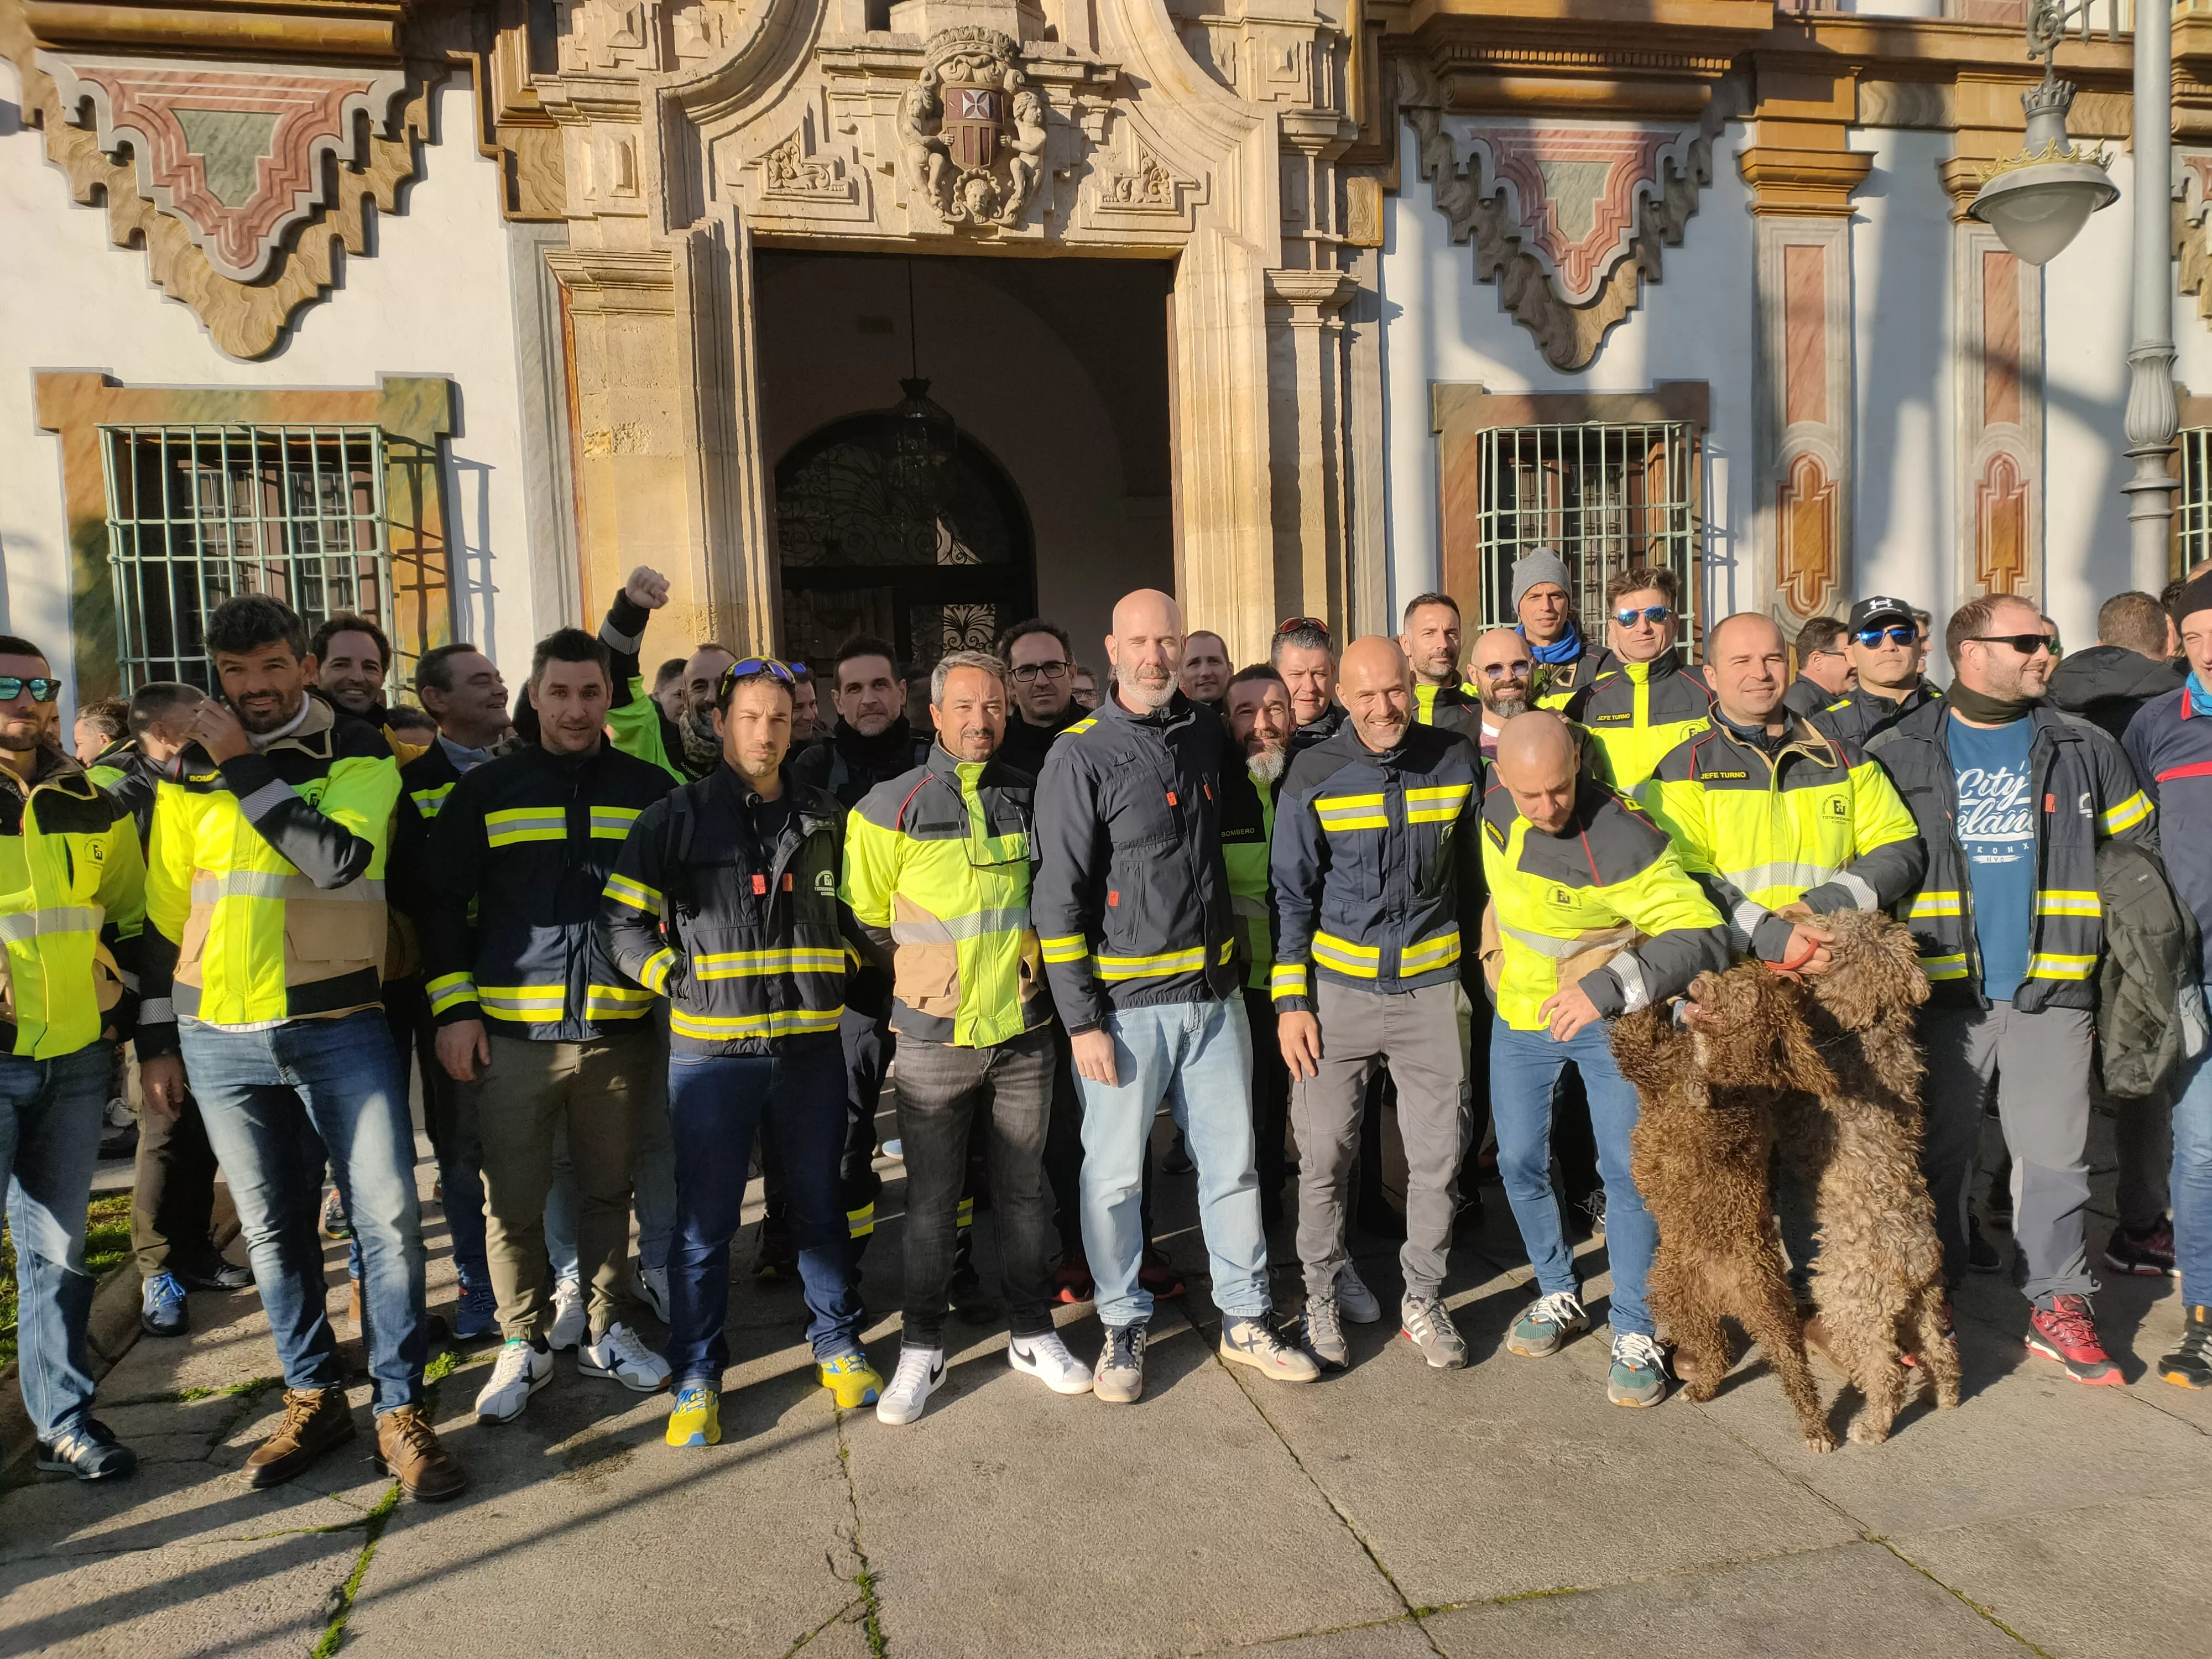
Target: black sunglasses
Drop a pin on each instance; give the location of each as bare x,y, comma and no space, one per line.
2026,644
1896,633
1650,613
13,686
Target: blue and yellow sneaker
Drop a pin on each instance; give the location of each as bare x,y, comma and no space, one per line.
697,1420
852,1379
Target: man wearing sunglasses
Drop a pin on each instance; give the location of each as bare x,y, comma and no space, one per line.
1133,912
724,899
1642,704
2013,799
1041,664
1882,640
1305,656
72,904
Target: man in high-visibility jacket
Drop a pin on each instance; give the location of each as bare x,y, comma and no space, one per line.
1258,710
1377,878
1643,701
938,863
265,892
1595,917
1780,823
72,898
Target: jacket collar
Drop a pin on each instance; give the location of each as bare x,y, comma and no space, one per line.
1177,711
54,770
1801,737
1668,661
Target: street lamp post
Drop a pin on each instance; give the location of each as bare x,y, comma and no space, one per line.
2037,201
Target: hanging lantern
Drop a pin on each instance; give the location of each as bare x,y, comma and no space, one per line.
919,441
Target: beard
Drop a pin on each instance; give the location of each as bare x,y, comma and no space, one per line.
1502,709
702,749
1149,697
1268,765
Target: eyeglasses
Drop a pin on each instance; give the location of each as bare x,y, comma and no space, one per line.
1650,613
2026,644
1030,671
1896,633
754,668
1295,624
1504,671
42,691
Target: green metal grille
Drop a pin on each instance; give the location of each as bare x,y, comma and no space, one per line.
1603,497
196,514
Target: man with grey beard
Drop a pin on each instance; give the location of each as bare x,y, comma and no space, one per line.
1501,671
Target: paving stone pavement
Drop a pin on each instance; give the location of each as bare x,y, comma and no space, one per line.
1392,1510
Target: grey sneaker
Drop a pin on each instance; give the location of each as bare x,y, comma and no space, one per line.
1119,1376
1253,1342
1546,1325
1425,1322
1357,1301
1321,1332
1639,1372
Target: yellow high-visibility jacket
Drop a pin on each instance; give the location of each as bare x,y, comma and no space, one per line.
1605,904
265,881
72,898
1639,711
1814,821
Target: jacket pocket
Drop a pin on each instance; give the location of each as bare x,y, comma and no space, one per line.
926,979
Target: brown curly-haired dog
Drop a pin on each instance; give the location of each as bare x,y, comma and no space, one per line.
1881,1268
1700,1151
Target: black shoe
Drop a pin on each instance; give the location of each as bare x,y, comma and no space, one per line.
162,1308
89,1452
2190,1366
1177,1162
217,1275
1982,1256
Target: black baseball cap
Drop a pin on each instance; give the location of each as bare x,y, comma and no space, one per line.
1879,610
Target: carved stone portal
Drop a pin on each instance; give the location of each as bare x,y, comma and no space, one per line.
972,130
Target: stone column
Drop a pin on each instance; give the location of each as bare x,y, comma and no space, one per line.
1305,428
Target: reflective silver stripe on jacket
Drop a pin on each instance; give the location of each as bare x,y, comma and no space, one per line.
1559,949
270,884
975,925
27,924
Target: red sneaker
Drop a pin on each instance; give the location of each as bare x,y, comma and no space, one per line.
1070,1280
2146,1255
1157,1276
2064,1332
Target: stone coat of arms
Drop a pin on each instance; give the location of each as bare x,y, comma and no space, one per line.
972,130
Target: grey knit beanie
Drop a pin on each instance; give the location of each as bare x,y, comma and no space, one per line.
1531,569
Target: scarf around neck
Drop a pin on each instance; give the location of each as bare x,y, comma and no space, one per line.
1985,710
1566,648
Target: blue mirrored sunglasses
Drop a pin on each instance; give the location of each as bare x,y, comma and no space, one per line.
753,668
41,689
1650,613
1896,632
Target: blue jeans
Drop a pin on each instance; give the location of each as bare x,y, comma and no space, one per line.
1523,1065
716,1105
2191,1179
49,1118
1198,1057
276,1102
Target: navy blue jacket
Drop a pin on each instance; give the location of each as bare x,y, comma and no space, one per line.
2170,742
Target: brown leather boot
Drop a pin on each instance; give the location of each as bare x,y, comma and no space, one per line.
408,1451
315,1419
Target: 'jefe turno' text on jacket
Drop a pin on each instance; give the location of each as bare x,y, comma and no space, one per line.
745,938
1131,901
265,881
938,865
1639,711
2081,791
505,886
1377,864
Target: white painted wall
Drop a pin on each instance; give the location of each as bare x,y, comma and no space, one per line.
434,300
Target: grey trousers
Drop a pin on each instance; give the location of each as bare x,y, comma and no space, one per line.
2041,1065
1422,1036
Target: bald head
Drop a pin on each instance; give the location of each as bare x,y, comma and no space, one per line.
1145,648
1749,669
1375,683
1538,759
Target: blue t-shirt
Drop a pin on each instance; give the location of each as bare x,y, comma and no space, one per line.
1996,828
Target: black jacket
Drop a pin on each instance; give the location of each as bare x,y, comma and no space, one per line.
130,778
848,765
1806,697
505,883
746,938
2107,683
2085,792
1860,715
1320,731
1027,744
1131,902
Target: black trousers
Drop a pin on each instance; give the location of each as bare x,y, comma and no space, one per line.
173,1195
1271,1103
944,1093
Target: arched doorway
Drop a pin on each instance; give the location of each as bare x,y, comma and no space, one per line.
853,563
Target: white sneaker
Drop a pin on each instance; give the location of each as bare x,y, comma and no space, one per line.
920,1371
569,1329
1354,1300
653,1289
1046,1359
621,1355
519,1372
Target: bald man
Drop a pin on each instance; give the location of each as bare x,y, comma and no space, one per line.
1595,917
1377,874
1132,909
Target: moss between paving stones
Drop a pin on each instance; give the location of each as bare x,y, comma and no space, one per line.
106,1242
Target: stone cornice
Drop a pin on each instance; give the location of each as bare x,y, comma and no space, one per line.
1802,182
323,31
